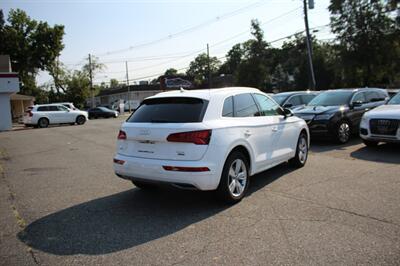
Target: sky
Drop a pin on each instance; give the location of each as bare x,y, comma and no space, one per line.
156,35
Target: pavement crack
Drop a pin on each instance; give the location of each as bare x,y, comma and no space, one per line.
282,194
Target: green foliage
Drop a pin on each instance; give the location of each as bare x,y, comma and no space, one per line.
368,39
198,68
171,72
32,46
114,83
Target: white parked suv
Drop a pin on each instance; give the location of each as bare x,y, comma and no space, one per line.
208,140
382,124
44,115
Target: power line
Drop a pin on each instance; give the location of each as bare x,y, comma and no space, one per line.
219,58
187,30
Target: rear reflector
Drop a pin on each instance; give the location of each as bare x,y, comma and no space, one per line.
121,162
121,135
186,169
201,137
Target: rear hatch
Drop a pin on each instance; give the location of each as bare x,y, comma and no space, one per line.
168,128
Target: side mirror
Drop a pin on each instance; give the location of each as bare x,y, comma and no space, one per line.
285,112
287,105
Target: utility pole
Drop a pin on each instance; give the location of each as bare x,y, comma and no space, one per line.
309,47
209,69
91,80
127,83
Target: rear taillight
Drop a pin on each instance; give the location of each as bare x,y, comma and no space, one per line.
117,161
121,135
201,137
30,113
186,169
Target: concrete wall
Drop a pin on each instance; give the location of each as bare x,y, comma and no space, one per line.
5,116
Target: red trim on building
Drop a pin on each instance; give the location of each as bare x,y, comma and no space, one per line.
8,75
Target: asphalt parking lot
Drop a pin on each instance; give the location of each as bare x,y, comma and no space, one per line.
61,204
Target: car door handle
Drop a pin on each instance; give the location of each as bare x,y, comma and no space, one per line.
274,129
247,133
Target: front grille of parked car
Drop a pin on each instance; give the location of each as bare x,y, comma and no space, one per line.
384,126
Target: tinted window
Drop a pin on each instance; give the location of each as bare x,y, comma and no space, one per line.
280,98
371,96
295,100
53,108
62,108
359,97
267,106
228,107
245,105
43,108
332,98
170,110
306,98
395,99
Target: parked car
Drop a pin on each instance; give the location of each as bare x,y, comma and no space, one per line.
102,112
294,99
208,140
46,114
382,124
337,113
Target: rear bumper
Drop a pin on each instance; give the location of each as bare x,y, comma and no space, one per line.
152,170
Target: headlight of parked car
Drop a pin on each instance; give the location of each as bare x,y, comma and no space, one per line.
364,122
324,117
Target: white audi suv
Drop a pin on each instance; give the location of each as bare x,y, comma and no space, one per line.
208,140
382,124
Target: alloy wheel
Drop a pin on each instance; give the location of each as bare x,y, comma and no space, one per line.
303,149
237,177
344,132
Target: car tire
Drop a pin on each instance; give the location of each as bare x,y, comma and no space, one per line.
143,185
370,143
343,132
300,159
80,120
234,180
43,122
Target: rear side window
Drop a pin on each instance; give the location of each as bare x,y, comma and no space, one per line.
245,106
227,111
43,109
170,110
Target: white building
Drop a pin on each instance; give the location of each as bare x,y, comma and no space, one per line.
9,84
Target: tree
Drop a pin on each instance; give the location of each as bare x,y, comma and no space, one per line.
198,68
254,68
114,83
171,72
233,59
32,46
367,36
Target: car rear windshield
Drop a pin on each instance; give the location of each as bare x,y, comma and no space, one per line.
170,110
332,98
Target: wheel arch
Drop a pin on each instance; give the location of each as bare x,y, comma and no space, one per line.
246,151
